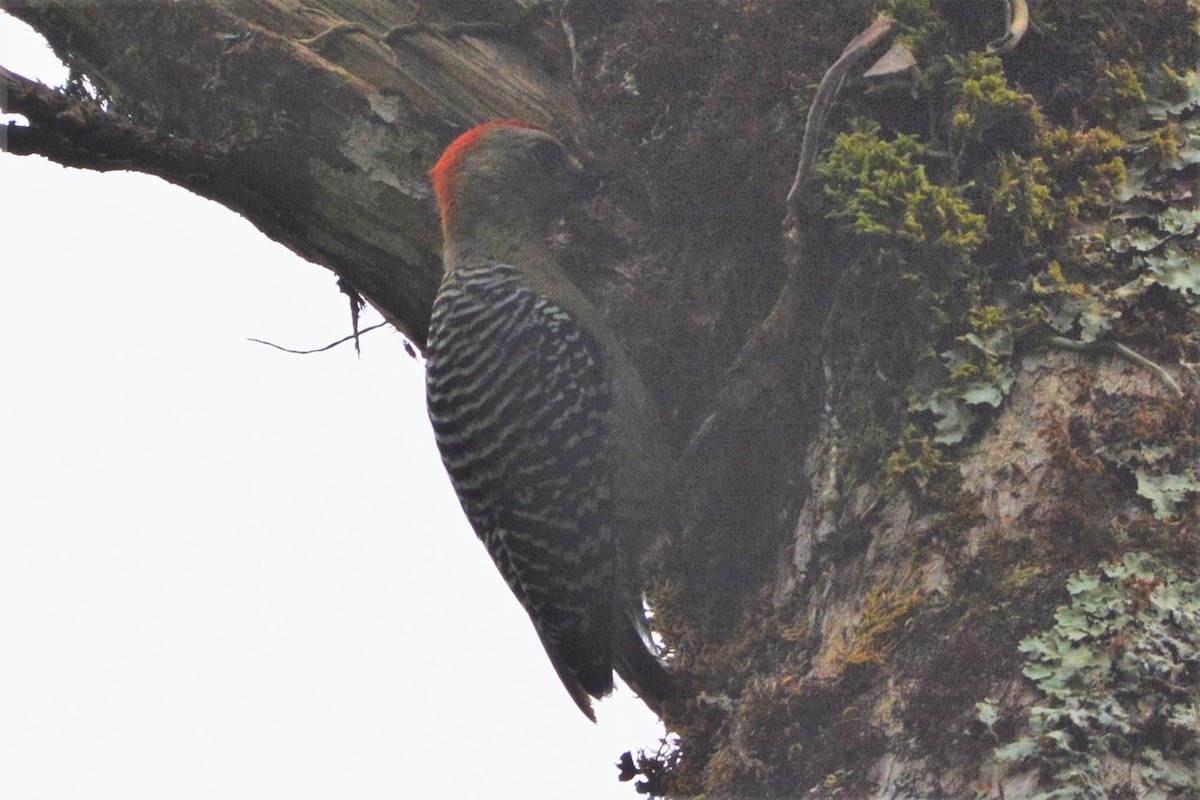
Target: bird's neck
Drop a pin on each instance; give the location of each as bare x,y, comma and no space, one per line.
510,238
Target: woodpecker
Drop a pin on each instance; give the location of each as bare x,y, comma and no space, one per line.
545,428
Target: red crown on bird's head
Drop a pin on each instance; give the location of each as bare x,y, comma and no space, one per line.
447,167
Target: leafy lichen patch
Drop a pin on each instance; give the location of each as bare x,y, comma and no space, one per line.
1117,679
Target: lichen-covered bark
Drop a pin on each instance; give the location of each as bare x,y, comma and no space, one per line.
937,432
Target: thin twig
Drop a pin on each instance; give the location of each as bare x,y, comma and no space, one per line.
330,346
1118,349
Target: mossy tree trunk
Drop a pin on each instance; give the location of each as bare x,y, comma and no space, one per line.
937,431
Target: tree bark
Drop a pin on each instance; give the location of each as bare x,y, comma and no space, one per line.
935,423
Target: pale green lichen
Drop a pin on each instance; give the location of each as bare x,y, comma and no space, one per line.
975,373
1151,239
1160,478
1117,675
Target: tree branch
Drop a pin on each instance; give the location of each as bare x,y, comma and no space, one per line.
80,133
324,146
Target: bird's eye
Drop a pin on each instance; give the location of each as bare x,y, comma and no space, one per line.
549,155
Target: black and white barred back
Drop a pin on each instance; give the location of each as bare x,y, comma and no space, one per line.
519,406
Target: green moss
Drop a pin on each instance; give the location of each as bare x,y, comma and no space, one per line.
1086,169
930,226
918,25
985,105
1162,146
1114,49
906,242
1021,197
1120,91
881,191
920,467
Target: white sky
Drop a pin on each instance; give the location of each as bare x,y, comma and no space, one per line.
227,571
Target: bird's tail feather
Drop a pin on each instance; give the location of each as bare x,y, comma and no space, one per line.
581,696
637,664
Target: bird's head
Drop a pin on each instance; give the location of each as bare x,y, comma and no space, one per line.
504,173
